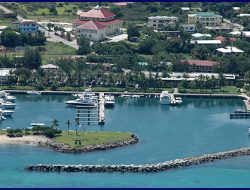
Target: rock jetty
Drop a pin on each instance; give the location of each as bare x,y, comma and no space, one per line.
178,163
61,147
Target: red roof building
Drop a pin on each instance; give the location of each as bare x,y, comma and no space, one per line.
201,65
92,23
221,38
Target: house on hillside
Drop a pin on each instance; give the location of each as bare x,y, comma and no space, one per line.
205,19
97,24
160,21
28,26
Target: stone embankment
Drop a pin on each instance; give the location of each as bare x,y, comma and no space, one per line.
61,147
178,163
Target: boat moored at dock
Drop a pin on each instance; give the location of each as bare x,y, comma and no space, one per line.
5,96
109,101
33,92
87,98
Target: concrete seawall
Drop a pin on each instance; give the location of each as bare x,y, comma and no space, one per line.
178,163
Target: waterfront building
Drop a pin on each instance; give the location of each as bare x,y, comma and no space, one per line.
96,24
205,19
28,26
176,77
201,65
160,21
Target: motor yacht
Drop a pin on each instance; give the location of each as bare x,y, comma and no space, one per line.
5,96
87,98
109,100
6,113
165,98
7,105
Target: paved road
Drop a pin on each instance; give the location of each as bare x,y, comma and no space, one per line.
234,24
47,33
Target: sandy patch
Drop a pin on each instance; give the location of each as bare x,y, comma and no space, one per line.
33,140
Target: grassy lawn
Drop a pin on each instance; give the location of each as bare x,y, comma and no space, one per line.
56,50
2,132
92,138
224,90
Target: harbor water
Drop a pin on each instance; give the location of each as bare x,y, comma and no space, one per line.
195,127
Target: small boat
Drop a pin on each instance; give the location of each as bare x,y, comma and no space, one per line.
135,96
38,124
6,112
109,100
7,105
5,96
125,96
33,92
249,130
2,117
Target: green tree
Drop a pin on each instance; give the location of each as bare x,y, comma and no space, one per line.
84,46
32,58
55,124
132,31
68,125
10,39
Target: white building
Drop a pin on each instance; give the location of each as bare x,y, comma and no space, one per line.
96,24
205,19
206,42
188,27
160,21
199,35
229,50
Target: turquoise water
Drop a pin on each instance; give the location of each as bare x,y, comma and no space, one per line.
197,126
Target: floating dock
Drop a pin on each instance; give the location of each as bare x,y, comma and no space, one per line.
101,118
240,115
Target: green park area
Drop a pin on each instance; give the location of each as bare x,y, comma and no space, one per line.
91,138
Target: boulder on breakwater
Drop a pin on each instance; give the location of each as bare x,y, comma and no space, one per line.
178,163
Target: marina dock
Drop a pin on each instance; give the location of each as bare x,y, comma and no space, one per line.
101,118
90,115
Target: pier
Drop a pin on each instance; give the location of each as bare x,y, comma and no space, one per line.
89,115
101,118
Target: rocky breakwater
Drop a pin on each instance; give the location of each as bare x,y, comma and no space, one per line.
178,163
61,147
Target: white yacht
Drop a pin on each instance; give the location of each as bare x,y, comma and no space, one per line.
5,96
7,105
87,98
6,112
165,98
109,100
33,92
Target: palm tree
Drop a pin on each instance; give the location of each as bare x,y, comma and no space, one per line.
68,124
213,82
77,124
221,79
55,124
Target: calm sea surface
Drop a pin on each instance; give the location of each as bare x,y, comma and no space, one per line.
197,126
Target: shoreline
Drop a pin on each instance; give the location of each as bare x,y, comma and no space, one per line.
42,141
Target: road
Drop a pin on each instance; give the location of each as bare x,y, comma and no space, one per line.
46,32
234,24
